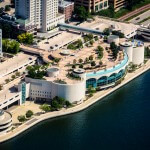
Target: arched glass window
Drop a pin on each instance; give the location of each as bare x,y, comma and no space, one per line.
120,74
112,78
91,82
102,81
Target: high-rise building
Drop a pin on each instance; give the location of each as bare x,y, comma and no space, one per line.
67,8
92,5
118,4
1,53
43,13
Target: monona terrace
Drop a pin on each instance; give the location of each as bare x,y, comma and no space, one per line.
73,72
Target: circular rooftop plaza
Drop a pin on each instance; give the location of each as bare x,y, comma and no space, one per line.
53,72
5,121
79,71
65,52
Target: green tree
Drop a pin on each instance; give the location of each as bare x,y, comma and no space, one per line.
13,77
118,33
86,59
17,74
93,63
36,71
91,90
55,105
106,31
11,46
99,48
100,63
68,104
80,60
114,49
1,87
21,118
81,66
7,81
90,57
81,13
91,42
74,61
45,108
25,38
79,44
7,8
73,66
29,114
96,38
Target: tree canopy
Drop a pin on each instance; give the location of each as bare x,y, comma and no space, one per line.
81,13
25,38
37,71
11,46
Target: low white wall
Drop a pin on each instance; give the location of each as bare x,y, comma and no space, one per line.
48,90
138,55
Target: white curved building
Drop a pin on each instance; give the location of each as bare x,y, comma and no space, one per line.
47,90
134,50
5,121
144,31
74,89
113,38
53,72
79,73
138,54
127,47
107,78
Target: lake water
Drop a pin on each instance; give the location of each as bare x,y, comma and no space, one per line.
120,122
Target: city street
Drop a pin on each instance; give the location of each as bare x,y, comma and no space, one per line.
141,17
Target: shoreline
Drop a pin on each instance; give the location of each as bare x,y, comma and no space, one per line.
95,98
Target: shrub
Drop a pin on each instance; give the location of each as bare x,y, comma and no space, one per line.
21,118
7,81
80,60
73,66
93,63
91,42
29,113
13,77
81,66
91,57
45,107
106,31
67,103
17,74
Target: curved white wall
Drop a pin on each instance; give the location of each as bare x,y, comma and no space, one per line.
129,51
72,92
48,90
138,55
5,123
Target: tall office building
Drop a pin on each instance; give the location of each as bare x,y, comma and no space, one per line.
1,53
43,13
118,4
92,5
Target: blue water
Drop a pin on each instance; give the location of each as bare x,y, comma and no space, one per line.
120,122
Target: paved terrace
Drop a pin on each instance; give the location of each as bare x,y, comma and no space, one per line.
83,53
97,25
9,91
17,62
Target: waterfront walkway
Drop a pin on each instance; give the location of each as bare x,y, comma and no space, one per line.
97,96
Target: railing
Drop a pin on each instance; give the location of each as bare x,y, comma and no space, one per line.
103,72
